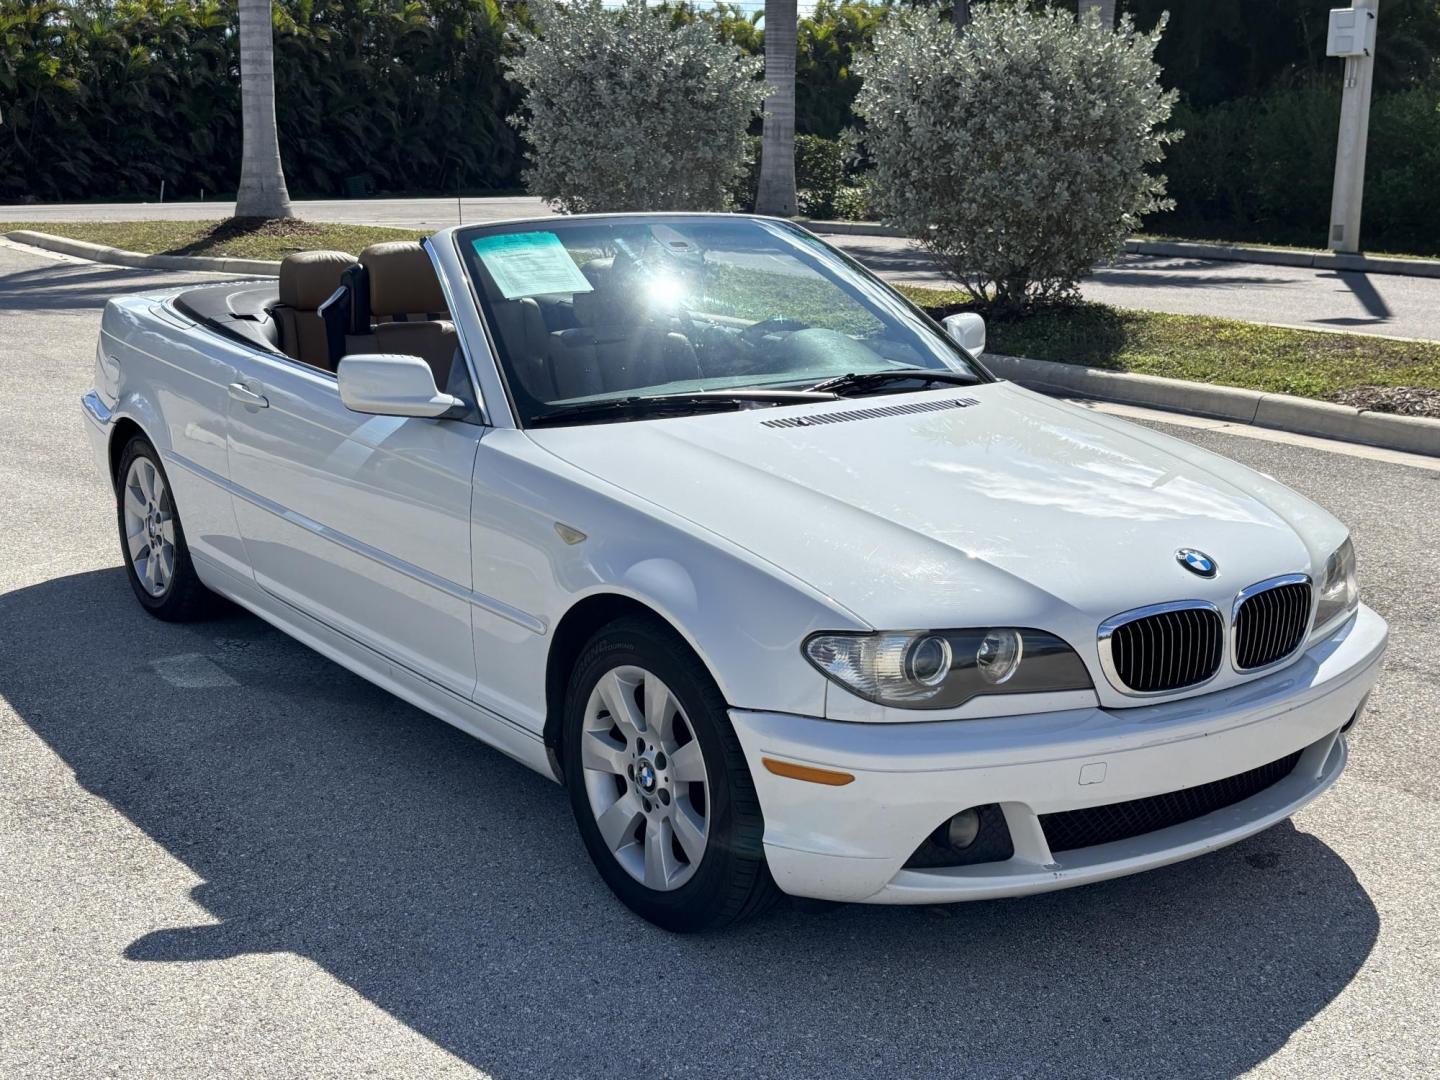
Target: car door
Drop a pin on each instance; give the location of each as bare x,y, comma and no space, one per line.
362,522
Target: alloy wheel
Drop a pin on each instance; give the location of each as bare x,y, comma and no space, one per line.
149,518
645,778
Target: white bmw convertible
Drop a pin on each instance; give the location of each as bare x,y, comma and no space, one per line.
700,519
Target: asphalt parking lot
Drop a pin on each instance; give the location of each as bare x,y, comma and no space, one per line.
223,855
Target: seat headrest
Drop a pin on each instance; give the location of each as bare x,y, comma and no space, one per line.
605,304
402,279
307,278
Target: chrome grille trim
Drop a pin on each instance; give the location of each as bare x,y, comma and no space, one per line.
1177,646
1282,623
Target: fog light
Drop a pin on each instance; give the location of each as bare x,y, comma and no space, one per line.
963,829
1356,714
999,655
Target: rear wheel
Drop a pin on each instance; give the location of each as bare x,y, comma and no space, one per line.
659,784
152,540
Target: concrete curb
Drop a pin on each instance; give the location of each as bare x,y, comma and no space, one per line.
1320,260
119,257
851,228
1194,249
1283,412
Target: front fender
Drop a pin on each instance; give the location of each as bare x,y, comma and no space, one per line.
743,616
744,622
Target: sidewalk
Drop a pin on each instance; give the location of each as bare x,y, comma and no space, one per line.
440,212
1196,249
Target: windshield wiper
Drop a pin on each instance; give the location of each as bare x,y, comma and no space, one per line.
672,404
866,380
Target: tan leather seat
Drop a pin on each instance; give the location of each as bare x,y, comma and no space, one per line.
407,307
619,345
307,280
520,326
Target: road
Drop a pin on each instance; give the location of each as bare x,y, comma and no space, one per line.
223,855
1288,296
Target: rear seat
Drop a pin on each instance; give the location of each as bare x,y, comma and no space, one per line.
307,280
402,309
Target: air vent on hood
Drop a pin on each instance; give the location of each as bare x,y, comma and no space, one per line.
844,416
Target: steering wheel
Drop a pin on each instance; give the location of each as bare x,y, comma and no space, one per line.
752,334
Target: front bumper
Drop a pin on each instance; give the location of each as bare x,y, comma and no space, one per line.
851,842
98,418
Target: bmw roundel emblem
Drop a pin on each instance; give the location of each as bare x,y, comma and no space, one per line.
1197,562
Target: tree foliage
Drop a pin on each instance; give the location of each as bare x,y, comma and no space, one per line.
626,110
1261,168
828,41
1018,152
105,98
1221,50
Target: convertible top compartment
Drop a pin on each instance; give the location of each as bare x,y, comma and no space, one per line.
237,310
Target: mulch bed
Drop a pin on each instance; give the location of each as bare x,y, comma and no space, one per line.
1405,400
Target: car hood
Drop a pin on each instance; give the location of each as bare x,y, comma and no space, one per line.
980,505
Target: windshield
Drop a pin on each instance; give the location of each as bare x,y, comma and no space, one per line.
586,311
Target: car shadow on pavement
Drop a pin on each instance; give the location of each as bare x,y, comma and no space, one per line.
77,286
1166,273
447,885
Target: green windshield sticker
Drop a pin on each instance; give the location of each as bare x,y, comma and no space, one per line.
530,264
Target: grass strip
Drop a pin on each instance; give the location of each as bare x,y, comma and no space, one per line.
1354,369
229,238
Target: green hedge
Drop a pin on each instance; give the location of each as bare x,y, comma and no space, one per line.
821,174
106,100
1262,169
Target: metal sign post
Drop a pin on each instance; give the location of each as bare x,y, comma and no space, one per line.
1352,35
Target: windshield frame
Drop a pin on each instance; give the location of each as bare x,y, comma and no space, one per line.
461,236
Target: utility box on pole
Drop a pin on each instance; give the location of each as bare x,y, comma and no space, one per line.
1352,35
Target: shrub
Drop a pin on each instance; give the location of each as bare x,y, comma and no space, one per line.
820,174
854,203
624,110
1015,152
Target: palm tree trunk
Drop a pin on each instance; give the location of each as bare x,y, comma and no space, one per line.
960,13
262,191
776,194
1106,8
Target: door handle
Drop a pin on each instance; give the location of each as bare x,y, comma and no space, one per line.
243,394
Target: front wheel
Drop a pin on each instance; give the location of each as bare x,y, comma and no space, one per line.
152,540
659,784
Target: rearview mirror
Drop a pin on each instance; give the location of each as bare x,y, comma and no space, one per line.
967,330
385,384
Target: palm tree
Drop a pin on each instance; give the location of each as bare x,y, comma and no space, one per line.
776,193
1106,8
262,191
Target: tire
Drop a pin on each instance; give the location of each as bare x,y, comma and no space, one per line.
606,774
145,512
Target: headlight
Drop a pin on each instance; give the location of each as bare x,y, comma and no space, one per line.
942,669
1338,595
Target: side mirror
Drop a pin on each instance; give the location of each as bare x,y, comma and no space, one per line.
967,330
389,385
